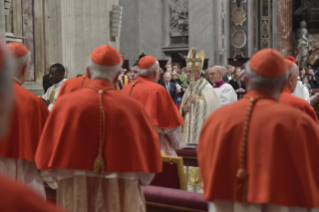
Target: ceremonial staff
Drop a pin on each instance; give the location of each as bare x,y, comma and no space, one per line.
194,60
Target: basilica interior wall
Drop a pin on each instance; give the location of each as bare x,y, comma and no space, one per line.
74,28
58,31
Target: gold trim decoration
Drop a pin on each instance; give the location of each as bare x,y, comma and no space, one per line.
242,173
99,164
238,16
82,82
133,85
180,169
199,97
195,62
52,95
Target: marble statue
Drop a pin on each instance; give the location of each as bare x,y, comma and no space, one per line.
307,4
179,17
305,43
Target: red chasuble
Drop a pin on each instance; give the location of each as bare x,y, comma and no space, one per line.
288,99
73,84
15,197
157,102
70,139
29,116
281,154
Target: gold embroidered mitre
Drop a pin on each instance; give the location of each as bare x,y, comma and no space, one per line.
198,64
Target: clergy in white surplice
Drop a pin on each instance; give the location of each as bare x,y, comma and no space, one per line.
224,91
57,72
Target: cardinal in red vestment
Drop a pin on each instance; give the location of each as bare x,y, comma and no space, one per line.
158,104
73,84
14,197
258,154
296,102
99,145
17,150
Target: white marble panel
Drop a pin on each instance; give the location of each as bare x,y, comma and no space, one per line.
80,60
203,27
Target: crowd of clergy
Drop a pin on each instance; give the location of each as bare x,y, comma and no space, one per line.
97,138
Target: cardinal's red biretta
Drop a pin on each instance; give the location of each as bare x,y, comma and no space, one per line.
73,84
260,152
296,102
158,104
99,143
17,150
14,197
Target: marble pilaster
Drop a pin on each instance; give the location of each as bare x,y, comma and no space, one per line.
143,29
203,28
2,21
284,27
27,28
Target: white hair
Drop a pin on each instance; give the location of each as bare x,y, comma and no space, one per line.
98,71
149,71
220,69
21,61
66,69
6,79
263,84
294,66
167,73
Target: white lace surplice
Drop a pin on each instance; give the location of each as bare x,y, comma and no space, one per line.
24,171
171,140
85,191
229,206
226,94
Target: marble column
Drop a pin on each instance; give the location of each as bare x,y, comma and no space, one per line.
143,29
284,27
2,21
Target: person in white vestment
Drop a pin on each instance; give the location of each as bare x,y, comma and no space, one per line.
301,91
204,101
57,73
225,91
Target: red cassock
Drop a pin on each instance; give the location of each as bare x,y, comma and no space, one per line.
157,102
70,139
282,154
73,84
29,116
288,99
15,197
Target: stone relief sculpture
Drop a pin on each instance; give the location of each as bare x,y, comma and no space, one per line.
179,17
307,4
305,43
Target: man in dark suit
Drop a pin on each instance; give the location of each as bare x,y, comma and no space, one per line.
170,86
46,83
229,73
